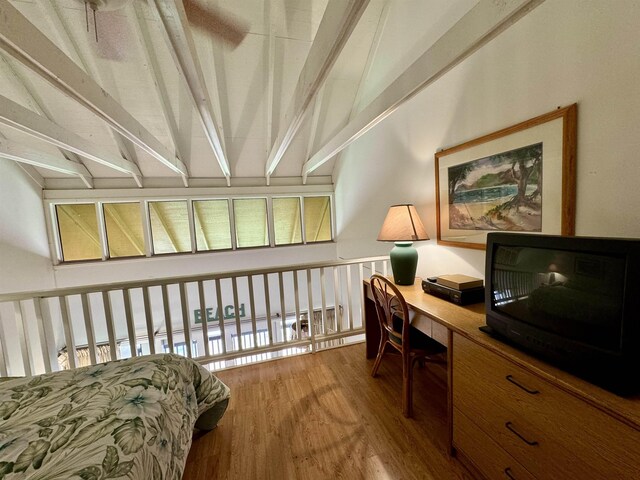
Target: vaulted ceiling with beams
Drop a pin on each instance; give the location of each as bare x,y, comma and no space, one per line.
172,93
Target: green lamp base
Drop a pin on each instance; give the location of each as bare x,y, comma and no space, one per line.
404,261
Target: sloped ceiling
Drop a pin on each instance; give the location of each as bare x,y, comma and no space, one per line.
250,86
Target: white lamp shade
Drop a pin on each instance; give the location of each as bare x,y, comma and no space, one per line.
402,224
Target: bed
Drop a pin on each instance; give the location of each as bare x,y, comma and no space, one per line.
124,419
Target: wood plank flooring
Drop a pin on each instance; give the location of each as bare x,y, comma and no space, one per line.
323,416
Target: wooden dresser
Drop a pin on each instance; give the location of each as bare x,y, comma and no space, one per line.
513,416
512,423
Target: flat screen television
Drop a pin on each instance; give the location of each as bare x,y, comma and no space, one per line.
575,301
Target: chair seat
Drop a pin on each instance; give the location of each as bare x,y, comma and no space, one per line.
422,344
417,340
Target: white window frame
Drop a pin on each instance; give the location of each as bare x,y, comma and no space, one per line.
52,198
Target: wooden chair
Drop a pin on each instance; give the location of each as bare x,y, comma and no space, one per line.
396,331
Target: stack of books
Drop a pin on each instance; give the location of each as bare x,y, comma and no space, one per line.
459,282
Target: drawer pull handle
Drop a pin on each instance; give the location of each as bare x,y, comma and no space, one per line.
509,426
507,472
532,392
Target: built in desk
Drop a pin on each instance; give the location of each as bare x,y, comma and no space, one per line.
514,416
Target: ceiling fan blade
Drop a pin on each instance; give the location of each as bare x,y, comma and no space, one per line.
212,20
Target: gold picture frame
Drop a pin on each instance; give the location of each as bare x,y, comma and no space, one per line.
521,178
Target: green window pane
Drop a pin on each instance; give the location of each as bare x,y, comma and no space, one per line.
170,227
123,222
213,228
79,236
251,222
317,219
286,221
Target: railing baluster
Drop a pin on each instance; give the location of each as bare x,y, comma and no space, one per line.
336,305
4,358
203,317
297,305
108,317
267,301
186,322
373,268
219,311
384,268
131,331
23,338
312,333
47,341
72,356
234,286
252,306
149,320
167,317
360,279
283,310
349,298
323,296
88,325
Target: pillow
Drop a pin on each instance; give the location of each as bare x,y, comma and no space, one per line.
209,419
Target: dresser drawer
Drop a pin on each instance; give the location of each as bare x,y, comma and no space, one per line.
486,455
551,432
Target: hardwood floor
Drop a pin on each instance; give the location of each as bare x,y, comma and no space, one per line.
323,416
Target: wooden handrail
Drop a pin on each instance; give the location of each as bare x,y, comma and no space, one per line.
60,292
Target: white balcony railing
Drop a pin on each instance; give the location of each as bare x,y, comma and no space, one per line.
216,319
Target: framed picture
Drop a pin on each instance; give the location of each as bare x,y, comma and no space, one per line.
518,179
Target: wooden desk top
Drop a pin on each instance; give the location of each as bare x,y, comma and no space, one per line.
466,321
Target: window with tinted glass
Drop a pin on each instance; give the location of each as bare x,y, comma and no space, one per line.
287,224
250,215
317,219
170,227
213,228
123,223
79,233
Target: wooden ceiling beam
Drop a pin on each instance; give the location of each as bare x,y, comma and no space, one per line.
51,9
16,116
338,22
317,106
34,99
146,44
173,18
271,68
475,29
26,43
27,155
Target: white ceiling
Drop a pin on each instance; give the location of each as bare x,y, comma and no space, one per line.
387,38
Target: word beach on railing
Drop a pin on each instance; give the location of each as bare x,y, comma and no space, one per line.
251,316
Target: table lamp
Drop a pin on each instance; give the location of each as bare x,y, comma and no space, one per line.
403,226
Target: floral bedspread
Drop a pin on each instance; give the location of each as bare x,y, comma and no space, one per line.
124,419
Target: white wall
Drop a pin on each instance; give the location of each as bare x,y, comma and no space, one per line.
24,248
565,51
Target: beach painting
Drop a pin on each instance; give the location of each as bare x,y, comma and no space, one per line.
499,192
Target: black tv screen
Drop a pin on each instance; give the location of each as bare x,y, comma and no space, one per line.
574,301
571,294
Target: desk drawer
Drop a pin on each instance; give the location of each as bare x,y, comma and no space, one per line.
485,454
571,439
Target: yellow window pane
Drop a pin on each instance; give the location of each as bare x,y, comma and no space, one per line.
123,222
251,222
317,219
170,227
213,228
79,237
286,221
